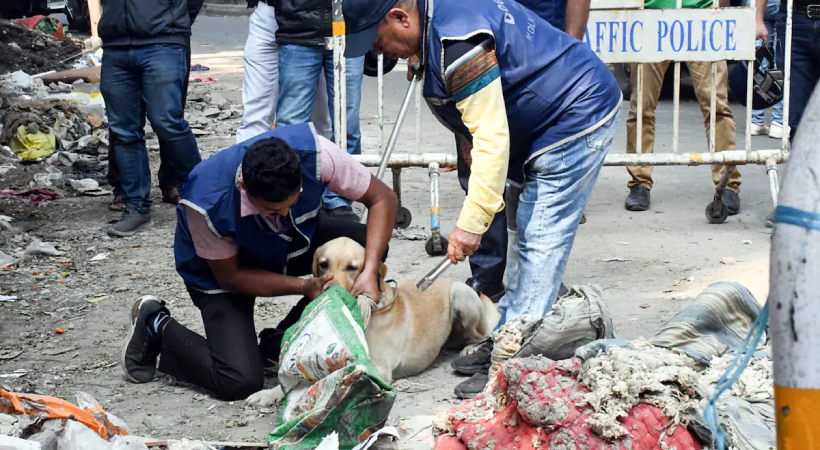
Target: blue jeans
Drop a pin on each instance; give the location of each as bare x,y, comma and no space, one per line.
805,69
557,186
139,81
299,68
759,115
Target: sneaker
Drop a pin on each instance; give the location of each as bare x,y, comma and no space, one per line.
583,219
141,348
760,129
775,131
475,362
494,293
343,212
472,386
638,199
732,201
130,222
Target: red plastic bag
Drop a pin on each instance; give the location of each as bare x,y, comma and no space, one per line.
47,25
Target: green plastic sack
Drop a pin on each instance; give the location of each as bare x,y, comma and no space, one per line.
329,381
31,146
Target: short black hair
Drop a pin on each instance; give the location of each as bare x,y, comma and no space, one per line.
271,170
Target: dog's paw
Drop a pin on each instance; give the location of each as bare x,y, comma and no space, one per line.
266,397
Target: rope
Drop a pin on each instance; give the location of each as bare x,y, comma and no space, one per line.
368,305
732,374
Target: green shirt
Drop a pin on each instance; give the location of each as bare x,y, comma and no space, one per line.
672,4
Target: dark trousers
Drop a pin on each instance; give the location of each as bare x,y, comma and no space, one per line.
228,361
167,175
805,67
148,80
487,265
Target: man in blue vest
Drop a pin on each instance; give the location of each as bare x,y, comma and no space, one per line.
248,224
489,261
538,108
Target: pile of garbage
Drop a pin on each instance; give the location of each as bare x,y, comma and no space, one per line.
209,113
33,51
614,394
39,422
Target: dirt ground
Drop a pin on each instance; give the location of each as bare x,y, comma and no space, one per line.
649,264
34,51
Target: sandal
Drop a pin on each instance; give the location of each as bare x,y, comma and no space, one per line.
117,205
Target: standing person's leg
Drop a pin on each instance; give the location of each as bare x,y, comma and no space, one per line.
641,182
701,74
163,81
559,183
557,188
776,123
260,87
168,181
320,116
805,63
299,67
113,177
487,264
354,73
227,361
121,85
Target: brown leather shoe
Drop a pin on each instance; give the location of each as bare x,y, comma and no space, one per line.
171,195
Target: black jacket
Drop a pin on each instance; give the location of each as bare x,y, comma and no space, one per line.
303,22
146,22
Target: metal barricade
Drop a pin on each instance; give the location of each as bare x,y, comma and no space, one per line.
738,44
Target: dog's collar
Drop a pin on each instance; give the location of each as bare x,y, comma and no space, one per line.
395,286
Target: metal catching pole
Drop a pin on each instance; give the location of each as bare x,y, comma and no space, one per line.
380,100
418,115
794,286
388,151
339,76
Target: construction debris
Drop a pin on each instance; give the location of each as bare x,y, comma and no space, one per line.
33,51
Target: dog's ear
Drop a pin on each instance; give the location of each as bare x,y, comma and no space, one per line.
316,256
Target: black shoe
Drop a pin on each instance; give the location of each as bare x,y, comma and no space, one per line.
270,347
141,348
343,212
472,386
478,361
583,219
638,199
732,201
494,293
130,222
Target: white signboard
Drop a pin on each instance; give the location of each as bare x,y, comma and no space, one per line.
655,35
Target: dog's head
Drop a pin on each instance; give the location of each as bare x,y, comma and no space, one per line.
344,259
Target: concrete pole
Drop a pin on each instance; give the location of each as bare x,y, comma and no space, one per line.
795,290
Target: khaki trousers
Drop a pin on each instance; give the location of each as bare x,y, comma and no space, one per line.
701,73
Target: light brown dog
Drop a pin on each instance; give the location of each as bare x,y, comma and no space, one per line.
408,328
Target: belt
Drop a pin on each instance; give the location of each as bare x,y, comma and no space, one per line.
810,11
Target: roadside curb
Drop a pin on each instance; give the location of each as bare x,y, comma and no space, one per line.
215,10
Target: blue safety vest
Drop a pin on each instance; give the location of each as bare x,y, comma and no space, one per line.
212,189
555,88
